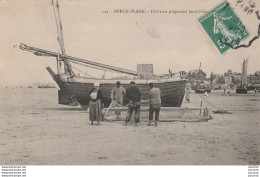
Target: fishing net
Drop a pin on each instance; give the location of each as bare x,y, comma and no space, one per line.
166,114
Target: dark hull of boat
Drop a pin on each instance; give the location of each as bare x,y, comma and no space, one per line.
202,90
241,91
172,92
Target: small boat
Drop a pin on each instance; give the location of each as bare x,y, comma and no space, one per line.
241,90
46,86
202,88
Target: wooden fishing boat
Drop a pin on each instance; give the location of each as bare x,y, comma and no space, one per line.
74,89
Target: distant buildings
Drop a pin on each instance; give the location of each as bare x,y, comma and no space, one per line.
217,81
228,80
236,77
254,78
197,74
233,79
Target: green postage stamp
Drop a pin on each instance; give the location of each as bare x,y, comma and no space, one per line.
223,27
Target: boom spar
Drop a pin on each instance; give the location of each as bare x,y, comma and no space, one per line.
42,52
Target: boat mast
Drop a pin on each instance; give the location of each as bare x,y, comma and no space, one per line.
244,73
67,66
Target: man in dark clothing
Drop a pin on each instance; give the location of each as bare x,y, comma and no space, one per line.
134,96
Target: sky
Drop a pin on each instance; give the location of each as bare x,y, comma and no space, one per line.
168,41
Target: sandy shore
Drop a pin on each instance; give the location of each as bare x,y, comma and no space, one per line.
35,130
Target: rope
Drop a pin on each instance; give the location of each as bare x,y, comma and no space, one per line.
102,69
82,72
209,102
78,70
81,64
227,109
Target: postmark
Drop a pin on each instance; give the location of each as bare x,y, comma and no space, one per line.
248,6
223,27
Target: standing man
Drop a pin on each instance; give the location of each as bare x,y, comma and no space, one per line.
133,94
118,93
155,103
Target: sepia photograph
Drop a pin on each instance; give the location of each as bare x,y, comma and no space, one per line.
126,82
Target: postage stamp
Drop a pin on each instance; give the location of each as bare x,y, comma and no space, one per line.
223,27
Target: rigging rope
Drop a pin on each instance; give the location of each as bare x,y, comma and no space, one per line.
82,72
226,109
94,67
209,102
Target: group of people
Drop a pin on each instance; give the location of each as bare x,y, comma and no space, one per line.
133,95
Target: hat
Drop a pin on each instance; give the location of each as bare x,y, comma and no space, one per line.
132,82
96,84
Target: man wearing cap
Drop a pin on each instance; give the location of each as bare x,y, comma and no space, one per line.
154,100
133,94
118,93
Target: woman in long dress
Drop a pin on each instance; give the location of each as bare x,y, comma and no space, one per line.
95,104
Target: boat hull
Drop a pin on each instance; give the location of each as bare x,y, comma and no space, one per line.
202,90
241,91
172,91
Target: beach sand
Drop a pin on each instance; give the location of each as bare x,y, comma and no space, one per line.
36,130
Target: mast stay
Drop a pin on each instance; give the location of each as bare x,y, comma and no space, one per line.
67,66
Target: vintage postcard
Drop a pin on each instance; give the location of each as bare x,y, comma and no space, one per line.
125,82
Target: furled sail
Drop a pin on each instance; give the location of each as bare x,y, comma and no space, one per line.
244,73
